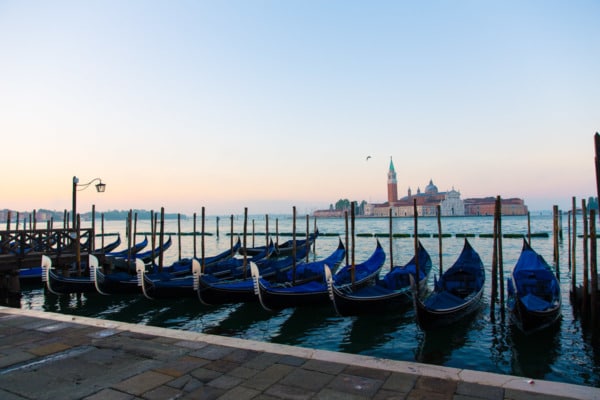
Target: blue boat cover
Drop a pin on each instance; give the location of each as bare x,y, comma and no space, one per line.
535,303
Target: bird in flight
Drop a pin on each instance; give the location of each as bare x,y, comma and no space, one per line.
368,158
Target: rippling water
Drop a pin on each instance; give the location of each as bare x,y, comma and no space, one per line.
564,353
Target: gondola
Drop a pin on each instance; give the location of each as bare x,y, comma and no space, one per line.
34,274
66,282
281,250
148,256
456,294
534,298
239,287
121,282
274,296
388,294
136,248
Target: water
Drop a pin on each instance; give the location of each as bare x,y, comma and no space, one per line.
564,353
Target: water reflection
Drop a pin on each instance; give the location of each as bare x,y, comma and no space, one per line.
370,332
533,355
301,323
437,346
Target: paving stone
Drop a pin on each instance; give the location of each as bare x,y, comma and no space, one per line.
222,365
400,382
212,352
205,375
142,383
389,395
110,394
186,383
50,348
485,392
330,394
292,360
141,347
15,356
268,377
225,382
10,396
204,393
191,344
437,385
241,355
243,372
526,395
263,360
288,392
308,380
324,366
366,372
239,393
422,394
163,393
355,385
181,366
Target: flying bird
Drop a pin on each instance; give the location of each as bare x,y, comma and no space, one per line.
368,158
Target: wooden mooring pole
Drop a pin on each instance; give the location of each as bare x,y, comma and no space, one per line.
161,238
231,236
416,243
555,237
593,272
573,248
494,281
439,224
294,245
353,268
195,235
391,240
267,231
179,236
152,236
585,283
245,233
346,235
307,237
202,253
500,257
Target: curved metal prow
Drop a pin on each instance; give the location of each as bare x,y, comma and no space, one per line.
93,262
196,269
256,284
46,267
140,269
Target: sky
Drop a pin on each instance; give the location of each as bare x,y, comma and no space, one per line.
269,104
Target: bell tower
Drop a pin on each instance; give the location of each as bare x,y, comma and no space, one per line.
392,184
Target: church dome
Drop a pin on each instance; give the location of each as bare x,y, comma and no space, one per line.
431,188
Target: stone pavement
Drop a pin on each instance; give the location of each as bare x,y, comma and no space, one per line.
57,356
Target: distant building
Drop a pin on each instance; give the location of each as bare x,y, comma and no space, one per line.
487,205
427,202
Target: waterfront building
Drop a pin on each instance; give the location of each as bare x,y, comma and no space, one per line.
486,206
426,202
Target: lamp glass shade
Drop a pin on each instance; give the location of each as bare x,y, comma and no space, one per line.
101,187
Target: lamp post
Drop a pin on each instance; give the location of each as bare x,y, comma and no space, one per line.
100,188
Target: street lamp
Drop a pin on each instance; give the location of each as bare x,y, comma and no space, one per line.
100,187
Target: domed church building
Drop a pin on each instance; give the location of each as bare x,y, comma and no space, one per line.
426,202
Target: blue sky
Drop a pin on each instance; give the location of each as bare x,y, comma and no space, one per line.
274,104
